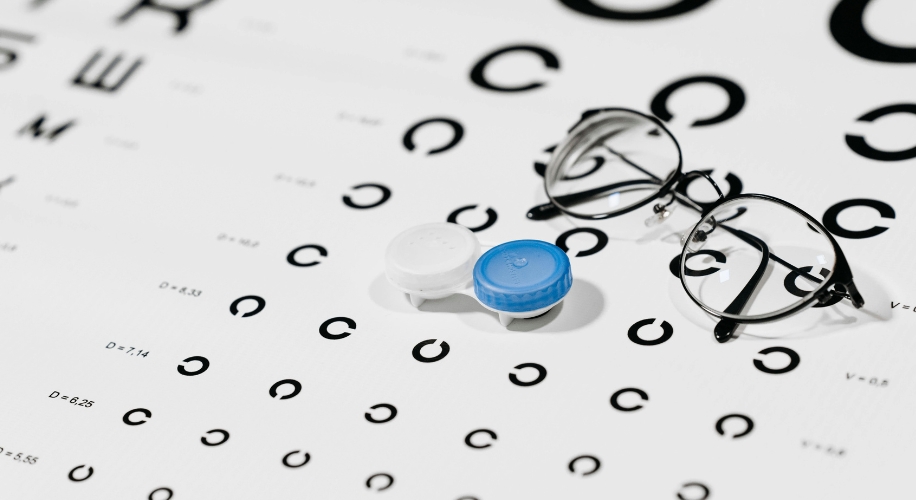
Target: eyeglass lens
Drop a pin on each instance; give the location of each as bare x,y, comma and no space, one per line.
759,265
612,161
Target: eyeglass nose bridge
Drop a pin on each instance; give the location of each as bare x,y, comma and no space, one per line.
700,235
699,173
663,210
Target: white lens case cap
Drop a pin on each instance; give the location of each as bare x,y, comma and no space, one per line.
432,261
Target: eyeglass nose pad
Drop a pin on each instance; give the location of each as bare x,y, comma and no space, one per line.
697,242
662,213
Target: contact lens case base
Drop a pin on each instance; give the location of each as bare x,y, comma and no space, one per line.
432,261
518,279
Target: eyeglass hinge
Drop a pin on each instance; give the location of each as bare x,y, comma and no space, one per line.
847,291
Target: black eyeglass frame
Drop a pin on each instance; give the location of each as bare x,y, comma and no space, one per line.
839,283
664,189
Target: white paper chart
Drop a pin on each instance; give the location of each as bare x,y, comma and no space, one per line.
196,197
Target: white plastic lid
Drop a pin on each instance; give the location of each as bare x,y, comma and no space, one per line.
432,259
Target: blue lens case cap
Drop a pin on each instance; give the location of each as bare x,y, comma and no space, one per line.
522,275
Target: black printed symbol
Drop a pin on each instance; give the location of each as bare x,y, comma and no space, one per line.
749,425
89,472
99,83
633,333
443,351
182,14
589,8
794,360
792,286
297,387
735,186
736,99
832,213
323,329
234,307
127,420
380,475
204,365
675,265
542,374
479,79
848,29
596,464
540,168
224,438
857,142
305,460
457,134
9,53
467,439
602,240
491,217
696,486
386,193
615,397
167,491
291,257
36,129
392,412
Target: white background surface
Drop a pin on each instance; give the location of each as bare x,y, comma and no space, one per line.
157,172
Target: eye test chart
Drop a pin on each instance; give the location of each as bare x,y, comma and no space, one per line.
196,198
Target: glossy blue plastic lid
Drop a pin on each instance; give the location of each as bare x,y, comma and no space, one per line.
522,275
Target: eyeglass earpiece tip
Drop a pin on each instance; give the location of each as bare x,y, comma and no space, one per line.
724,330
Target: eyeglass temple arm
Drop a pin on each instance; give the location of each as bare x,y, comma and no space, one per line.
681,197
548,210
630,163
726,327
845,286
749,239
688,175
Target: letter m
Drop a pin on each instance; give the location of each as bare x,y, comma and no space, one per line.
37,129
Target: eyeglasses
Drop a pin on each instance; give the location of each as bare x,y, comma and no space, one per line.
756,247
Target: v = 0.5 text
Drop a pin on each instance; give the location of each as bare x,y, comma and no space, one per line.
904,306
